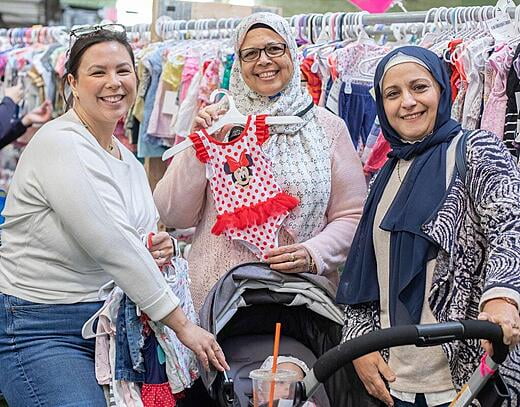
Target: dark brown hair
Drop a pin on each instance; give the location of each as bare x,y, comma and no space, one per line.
81,45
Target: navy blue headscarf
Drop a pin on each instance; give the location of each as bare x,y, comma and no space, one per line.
417,200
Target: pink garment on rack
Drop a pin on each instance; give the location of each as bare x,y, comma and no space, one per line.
378,156
60,64
494,114
191,67
489,80
210,81
159,124
3,63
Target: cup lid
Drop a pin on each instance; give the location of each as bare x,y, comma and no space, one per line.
281,375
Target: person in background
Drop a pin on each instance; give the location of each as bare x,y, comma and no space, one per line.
11,129
76,212
433,245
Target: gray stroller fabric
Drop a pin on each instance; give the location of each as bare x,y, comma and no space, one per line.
317,292
251,298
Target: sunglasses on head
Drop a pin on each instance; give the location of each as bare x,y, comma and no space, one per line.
88,30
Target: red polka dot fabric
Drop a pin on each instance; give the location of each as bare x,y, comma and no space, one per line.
250,205
157,395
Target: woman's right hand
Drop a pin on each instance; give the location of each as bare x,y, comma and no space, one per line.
200,341
207,116
371,369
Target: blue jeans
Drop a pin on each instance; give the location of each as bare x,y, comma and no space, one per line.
44,359
129,342
420,401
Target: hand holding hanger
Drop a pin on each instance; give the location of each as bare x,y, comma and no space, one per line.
208,116
160,246
232,116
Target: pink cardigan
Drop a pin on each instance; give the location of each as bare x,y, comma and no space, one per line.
184,200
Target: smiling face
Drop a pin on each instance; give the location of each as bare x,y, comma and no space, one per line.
105,83
268,75
411,98
242,176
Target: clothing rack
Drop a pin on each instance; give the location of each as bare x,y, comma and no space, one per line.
47,34
309,23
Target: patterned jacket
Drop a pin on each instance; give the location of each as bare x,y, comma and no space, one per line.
477,228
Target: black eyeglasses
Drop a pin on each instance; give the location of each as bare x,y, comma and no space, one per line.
88,30
271,50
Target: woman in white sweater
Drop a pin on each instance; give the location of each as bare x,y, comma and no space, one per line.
76,211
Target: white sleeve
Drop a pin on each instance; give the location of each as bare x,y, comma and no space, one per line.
75,179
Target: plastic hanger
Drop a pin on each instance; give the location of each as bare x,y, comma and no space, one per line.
87,330
232,116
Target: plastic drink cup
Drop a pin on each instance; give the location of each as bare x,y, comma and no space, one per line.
284,387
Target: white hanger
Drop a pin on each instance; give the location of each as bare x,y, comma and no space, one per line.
87,330
232,116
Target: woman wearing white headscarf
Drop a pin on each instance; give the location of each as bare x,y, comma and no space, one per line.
314,161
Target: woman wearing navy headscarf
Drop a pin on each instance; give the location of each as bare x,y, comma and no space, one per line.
434,244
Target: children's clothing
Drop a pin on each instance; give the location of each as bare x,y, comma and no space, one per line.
251,207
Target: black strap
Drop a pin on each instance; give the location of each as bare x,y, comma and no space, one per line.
460,155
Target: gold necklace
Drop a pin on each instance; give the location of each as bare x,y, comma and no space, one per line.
110,148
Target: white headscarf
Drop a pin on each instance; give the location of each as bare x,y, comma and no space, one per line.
292,99
300,153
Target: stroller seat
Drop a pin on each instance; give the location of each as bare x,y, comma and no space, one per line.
247,352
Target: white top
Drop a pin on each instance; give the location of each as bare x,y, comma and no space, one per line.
74,215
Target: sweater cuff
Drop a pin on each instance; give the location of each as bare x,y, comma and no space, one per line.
499,292
318,260
159,307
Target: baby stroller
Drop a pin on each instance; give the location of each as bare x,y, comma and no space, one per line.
242,309
485,385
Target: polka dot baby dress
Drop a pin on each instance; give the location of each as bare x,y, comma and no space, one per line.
250,206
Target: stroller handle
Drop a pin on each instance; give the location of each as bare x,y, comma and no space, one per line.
419,335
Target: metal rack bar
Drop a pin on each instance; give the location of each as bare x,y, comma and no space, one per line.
443,15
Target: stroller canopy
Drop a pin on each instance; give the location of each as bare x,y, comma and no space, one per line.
255,283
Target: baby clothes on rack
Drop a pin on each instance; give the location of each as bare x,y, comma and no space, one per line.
474,60
250,206
512,123
493,116
313,80
165,104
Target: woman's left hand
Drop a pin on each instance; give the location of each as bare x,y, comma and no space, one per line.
289,259
39,115
504,314
161,248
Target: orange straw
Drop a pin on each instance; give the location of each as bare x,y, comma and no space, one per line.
275,360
